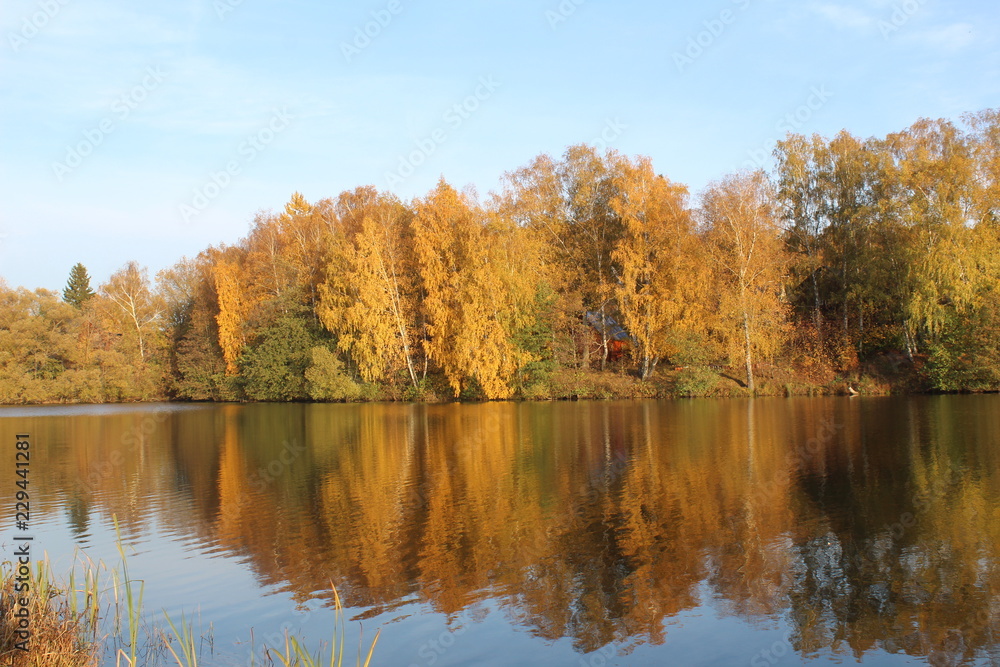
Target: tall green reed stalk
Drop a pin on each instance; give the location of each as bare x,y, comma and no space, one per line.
295,654
133,603
187,640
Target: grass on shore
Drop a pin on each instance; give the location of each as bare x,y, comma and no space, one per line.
76,622
61,633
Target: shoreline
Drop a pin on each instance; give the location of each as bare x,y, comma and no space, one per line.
609,385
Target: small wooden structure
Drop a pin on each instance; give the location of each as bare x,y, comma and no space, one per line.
619,340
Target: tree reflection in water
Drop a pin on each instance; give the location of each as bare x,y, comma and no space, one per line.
866,524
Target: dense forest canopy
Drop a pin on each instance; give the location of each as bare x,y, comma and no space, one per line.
857,261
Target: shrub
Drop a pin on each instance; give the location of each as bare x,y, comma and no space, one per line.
327,379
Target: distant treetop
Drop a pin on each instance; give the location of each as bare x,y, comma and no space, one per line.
77,290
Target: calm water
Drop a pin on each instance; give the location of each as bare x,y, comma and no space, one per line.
768,532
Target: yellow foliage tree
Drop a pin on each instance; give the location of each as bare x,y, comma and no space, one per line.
133,306
750,261
935,173
661,292
567,203
233,308
370,298
471,301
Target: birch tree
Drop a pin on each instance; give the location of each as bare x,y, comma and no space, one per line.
658,294
370,299
134,304
745,242
472,310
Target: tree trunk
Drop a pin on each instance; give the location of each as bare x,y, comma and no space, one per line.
909,342
843,277
861,329
817,315
604,339
648,366
409,365
138,334
749,359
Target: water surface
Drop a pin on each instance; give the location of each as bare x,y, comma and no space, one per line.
766,532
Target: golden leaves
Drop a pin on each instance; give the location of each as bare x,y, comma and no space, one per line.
369,300
233,308
471,299
658,255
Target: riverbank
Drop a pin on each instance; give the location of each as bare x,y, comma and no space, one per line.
885,375
677,382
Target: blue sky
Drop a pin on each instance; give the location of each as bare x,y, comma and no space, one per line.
151,130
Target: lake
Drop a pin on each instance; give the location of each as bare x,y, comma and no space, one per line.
699,532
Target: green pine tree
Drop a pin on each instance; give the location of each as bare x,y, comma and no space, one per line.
77,289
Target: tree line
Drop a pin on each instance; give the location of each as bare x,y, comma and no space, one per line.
853,260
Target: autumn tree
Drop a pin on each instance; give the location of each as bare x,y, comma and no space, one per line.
964,352
234,306
133,305
935,203
293,245
745,242
371,297
873,245
272,272
568,204
51,351
327,379
658,293
39,357
984,138
594,228
532,201
196,364
470,299
836,200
